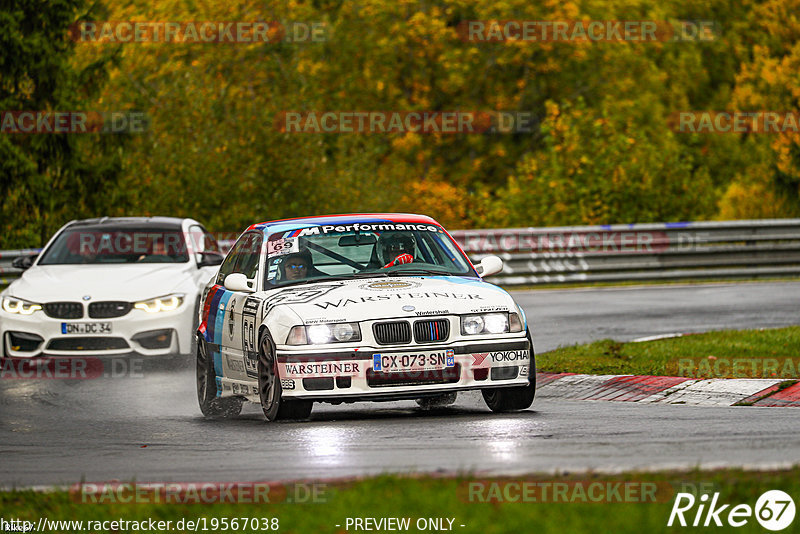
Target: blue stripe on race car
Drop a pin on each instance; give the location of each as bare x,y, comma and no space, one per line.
524,319
207,307
211,328
219,328
219,319
285,230
212,314
339,220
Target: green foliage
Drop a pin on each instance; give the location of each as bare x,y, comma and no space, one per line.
601,152
596,170
47,179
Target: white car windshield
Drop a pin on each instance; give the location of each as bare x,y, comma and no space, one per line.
111,243
314,254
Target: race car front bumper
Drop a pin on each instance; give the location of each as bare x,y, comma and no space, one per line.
360,374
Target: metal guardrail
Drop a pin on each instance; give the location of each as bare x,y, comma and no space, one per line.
639,252
615,253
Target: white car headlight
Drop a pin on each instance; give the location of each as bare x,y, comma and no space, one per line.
19,306
490,323
159,304
320,334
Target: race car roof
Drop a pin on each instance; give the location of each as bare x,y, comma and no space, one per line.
342,219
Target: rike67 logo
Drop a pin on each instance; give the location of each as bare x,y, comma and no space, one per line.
774,510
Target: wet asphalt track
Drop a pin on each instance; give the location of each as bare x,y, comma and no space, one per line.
148,427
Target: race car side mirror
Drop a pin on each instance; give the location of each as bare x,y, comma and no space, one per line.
24,262
210,259
238,282
489,265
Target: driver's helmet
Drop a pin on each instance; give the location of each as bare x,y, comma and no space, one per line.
392,245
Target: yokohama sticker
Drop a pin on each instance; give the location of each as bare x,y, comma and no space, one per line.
509,355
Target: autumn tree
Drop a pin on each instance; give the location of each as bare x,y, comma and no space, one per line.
46,179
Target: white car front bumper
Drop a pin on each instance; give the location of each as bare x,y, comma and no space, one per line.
148,334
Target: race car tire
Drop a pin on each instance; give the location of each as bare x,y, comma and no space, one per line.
211,405
516,398
269,386
445,399
195,325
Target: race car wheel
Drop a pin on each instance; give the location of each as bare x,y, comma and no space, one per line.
211,405
269,387
516,398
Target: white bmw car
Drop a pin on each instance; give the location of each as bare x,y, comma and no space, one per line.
110,286
351,308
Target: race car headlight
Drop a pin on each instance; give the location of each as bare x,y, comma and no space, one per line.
319,334
160,304
19,306
484,323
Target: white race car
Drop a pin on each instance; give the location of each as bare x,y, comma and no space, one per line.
110,286
356,308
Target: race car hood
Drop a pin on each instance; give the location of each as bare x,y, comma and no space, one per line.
379,298
50,283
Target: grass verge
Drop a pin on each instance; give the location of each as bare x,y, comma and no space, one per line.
765,353
631,502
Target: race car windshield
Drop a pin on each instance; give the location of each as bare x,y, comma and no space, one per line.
314,254
116,244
